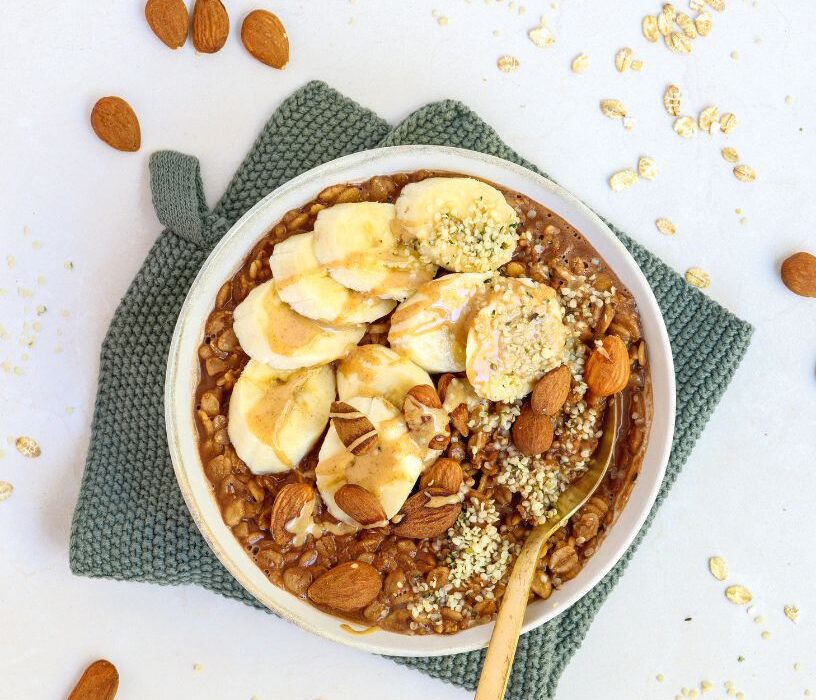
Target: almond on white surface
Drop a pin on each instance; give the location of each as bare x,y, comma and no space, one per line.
305,284
431,326
277,416
459,223
375,370
271,332
389,471
359,247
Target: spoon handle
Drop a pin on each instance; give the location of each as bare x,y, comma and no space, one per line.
503,641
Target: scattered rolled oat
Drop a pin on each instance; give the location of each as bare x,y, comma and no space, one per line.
629,123
734,55
678,43
708,117
6,489
660,677
703,23
637,65
665,19
665,227
623,179
671,100
686,23
198,668
27,447
718,568
765,634
745,173
443,21
614,109
789,100
739,595
706,686
697,277
647,168
650,30
685,127
716,5
797,667
728,122
580,63
508,64
792,613
623,59
541,35
730,154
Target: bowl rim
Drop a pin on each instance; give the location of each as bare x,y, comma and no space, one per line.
188,466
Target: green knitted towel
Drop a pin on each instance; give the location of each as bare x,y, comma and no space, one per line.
131,522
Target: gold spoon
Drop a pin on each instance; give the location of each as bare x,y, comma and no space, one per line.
503,641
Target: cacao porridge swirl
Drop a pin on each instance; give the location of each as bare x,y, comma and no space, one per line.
474,457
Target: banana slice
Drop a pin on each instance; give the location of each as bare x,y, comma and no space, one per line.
375,370
271,332
359,248
304,284
462,224
389,471
515,338
431,326
276,416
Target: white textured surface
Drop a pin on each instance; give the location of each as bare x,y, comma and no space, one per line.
746,493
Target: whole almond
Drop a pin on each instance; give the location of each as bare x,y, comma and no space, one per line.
114,121
288,505
426,395
460,417
100,681
551,391
264,36
346,587
353,428
210,25
799,274
532,432
360,504
607,370
445,474
169,21
420,521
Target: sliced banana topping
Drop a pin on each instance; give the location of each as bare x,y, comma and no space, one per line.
431,327
277,416
375,370
388,471
515,338
462,224
360,249
305,284
271,332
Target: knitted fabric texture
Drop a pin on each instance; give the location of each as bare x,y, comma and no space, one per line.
131,522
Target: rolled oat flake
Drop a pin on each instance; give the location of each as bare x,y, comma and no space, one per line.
698,277
718,568
27,447
739,595
6,489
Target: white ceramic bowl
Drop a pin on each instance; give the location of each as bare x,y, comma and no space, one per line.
226,259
